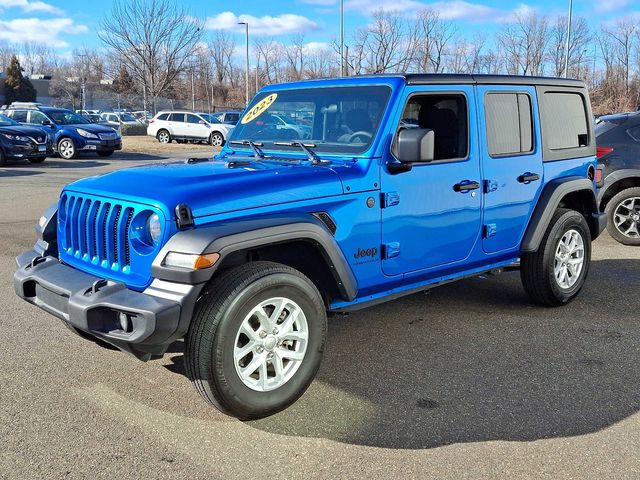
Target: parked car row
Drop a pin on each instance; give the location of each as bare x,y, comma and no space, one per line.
60,130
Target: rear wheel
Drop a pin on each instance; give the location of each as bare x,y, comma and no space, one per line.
216,139
164,136
67,149
37,159
623,212
556,273
256,340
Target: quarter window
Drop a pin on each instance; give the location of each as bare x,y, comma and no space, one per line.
509,125
565,120
163,116
20,116
177,117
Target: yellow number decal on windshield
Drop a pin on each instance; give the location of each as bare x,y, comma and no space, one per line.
258,108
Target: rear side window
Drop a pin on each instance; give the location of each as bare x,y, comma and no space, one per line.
177,117
233,117
566,120
509,124
163,116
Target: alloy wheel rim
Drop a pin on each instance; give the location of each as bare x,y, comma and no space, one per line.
163,137
271,344
626,217
569,259
66,149
216,140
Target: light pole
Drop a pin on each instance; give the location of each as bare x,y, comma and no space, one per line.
566,47
82,84
193,91
342,38
246,72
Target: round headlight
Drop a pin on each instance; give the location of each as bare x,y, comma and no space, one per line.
154,228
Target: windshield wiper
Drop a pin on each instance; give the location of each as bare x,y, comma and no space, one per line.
257,152
306,147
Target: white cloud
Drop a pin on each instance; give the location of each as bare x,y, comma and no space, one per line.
606,6
268,25
316,47
37,30
29,6
448,10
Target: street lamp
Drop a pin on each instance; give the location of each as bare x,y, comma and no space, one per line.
82,84
246,71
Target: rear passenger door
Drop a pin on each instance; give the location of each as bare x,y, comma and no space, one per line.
177,126
511,163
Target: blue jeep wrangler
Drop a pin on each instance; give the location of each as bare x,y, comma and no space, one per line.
401,183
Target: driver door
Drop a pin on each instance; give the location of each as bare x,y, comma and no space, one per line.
431,215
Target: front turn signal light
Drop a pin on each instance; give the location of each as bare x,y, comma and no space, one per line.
190,260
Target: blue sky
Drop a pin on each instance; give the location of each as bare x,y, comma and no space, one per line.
67,24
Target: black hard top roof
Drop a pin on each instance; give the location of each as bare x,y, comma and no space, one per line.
478,79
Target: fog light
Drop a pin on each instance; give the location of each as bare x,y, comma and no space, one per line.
125,322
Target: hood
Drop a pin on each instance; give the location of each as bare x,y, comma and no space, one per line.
212,187
38,133
91,127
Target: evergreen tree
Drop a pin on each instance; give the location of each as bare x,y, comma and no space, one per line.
16,87
123,83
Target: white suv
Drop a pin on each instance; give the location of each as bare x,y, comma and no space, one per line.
188,126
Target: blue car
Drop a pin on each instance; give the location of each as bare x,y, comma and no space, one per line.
20,142
70,133
401,184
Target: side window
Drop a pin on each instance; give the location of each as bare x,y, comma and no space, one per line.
565,119
193,118
508,122
232,117
164,116
37,118
20,116
447,116
177,117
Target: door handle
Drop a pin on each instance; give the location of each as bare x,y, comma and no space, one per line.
466,186
528,177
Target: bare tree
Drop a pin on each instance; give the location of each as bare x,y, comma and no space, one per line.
387,43
295,57
221,49
578,43
433,36
155,39
624,42
524,43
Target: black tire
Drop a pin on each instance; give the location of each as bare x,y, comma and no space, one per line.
537,268
67,149
212,336
105,153
3,158
163,136
37,159
216,139
632,239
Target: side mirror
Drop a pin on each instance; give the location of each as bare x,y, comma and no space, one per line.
415,145
47,122
202,122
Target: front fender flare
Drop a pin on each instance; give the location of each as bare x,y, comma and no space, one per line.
228,237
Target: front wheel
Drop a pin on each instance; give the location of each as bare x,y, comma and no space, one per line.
623,212
256,339
67,149
556,272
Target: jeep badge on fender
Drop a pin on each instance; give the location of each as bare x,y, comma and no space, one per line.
281,228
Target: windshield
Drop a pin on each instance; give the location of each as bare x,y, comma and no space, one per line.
62,117
7,122
211,118
127,117
334,119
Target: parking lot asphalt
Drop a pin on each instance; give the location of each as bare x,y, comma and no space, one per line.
469,381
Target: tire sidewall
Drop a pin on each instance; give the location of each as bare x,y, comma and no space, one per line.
238,396
612,206
163,132
569,221
216,135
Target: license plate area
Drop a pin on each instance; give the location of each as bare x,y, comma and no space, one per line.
42,148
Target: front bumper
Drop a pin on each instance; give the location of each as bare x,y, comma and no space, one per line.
28,150
90,305
100,145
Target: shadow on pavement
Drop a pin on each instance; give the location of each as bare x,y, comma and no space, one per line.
475,361
4,172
